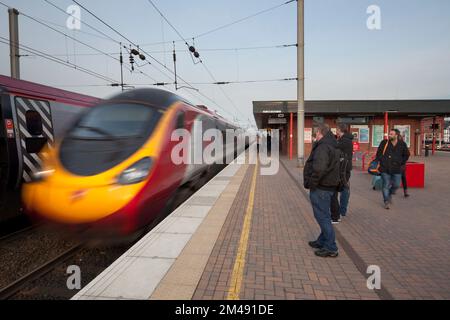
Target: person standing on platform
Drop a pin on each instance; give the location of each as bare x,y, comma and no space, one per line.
392,155
345,144
258,140
321,177
404,181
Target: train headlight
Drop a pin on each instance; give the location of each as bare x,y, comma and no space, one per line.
136,173
41,175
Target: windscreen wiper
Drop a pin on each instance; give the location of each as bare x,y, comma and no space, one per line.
99,131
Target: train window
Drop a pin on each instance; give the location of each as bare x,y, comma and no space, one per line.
121,120
180,121
34,122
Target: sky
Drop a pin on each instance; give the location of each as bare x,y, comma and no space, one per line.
408,58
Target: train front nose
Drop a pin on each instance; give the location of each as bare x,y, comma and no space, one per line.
100,166
77,204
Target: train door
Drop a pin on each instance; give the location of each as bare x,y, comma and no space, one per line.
36,130
4,161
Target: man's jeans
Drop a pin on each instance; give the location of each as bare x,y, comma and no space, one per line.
321,202
339,206
391,182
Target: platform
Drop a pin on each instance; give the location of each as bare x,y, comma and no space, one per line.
245,236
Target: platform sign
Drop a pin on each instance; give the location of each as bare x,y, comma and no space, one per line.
308,135
377,135
405,132
363,135
277,121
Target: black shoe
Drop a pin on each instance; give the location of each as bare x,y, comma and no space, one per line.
324,253
333,221
406,194
315,245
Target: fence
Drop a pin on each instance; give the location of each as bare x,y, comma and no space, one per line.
362,160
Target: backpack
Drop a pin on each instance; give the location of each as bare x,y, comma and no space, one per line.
343,168
374,166
337,164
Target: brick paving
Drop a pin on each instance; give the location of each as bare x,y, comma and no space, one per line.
279,262
410,242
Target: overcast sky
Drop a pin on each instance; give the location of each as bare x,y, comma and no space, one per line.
409,58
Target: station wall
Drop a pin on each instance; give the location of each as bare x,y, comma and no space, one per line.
368,135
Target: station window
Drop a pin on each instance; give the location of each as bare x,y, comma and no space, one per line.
34,122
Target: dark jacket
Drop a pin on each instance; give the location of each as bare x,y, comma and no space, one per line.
322,168
345,144
394,158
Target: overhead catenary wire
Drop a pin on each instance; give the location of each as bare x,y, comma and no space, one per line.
126,38
84,22
192,49
108,37
99,52
146,53
194,83
243,19
227,24
78,31
82,43
202,50
59,61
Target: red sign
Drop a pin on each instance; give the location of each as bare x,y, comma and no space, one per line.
9,128
9,124
356,146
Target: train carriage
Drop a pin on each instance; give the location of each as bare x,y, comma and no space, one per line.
111,167
31,115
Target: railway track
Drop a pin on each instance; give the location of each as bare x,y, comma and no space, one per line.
18,233
48,280
16,286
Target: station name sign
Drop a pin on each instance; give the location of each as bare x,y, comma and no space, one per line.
272,111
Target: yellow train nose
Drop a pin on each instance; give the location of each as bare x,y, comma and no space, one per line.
73,205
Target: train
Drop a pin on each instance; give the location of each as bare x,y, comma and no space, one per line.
111,165
31,115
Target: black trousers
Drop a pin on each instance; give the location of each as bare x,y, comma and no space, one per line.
404,182
335,205
334,208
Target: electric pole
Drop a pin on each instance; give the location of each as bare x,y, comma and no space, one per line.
301,82
14,42
175,65
121,67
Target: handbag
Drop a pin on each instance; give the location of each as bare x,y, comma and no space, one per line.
374,167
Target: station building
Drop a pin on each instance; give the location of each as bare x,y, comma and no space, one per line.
414,119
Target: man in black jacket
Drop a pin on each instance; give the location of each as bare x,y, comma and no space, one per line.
345,144
392,155
321,177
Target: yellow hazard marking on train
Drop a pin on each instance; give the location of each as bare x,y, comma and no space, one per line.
239,264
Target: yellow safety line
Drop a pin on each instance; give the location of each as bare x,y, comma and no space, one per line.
238,269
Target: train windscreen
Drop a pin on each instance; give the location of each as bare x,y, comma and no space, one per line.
107,135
